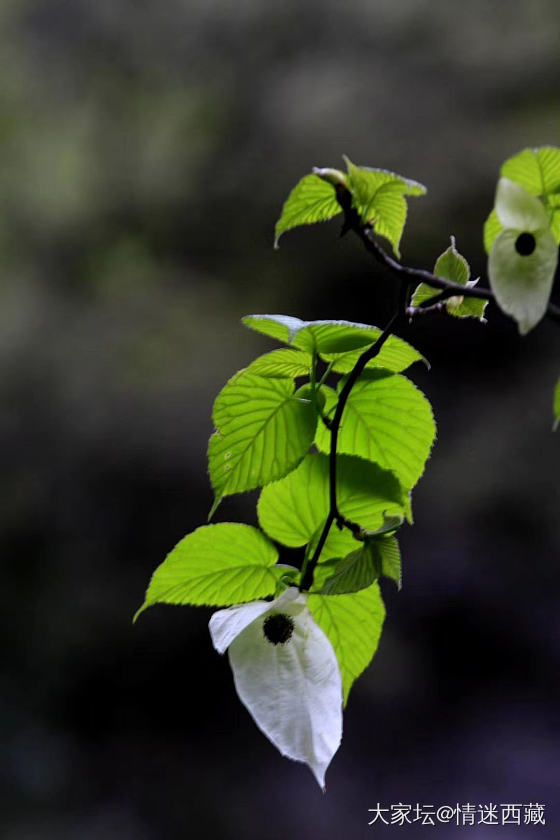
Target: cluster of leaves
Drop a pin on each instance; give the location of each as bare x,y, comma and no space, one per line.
378,196
274,428
272,433
272,422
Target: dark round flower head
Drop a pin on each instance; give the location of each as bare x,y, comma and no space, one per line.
525,244
278,628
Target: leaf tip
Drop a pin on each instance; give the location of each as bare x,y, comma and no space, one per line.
214,507
139,612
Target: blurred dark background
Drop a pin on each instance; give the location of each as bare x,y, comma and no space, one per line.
145,152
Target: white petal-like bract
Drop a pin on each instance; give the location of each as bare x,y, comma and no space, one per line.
522,284
292,687
517,208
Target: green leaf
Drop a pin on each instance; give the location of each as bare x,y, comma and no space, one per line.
378,556
468,307
366,179
332,339
386,420
312,200
556,406
339,543
216,565
395,355
391,523
263,431
378,196
293,509
353,623
555,225
354,572
390,559
287,362
492,227
537,170
451,265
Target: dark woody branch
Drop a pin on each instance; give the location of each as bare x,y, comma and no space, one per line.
406,276
447,288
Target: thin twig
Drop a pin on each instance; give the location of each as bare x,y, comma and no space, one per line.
447,288
407,276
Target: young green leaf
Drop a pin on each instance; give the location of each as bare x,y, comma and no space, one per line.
451,265
556,406
378,556
389,550
313,199
386,420
293,509
378,196
353,623
264,430
356,571
287,362
216,565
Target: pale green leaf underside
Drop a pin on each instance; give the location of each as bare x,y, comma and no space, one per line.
311,200
263,432
386,420
353,623
287,362
216,565
293,509
556,405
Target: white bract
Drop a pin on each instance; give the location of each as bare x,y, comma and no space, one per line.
523,257
286,674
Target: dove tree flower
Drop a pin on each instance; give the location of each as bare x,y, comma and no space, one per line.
523,258
286,674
